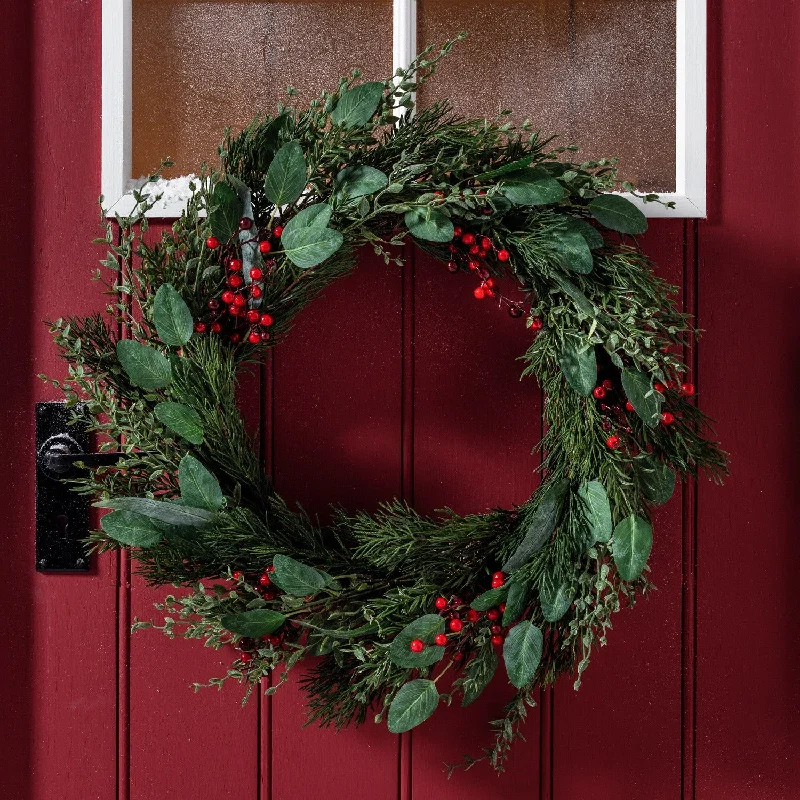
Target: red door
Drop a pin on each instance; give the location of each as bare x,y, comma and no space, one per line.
383,390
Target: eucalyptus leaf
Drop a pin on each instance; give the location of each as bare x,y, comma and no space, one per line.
531,188
161,510
633,540
253,624
425,628
315,216
198,486
180,419
555,600
307,247
172,317
618,213
582,302
646,401
287,175
478,675
132,529
429,224
226,211
592,236
359,180
412,705
356,106
516,602
579,365
573,251
596,511
490,599
296,578
522,651
145,366
540,524
656,479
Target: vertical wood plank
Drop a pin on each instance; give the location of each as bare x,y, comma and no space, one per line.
629,704
337,440
748,681
475,424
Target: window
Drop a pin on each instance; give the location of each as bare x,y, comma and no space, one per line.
616,77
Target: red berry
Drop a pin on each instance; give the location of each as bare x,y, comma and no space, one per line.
213,304
503,255
245,658
265,580
536,324
264,336
493,614
236,337
502,608
235,281
455,625
613,442
479,293
239,300
514,311
599,392
659,387
473,615
277,231
497,640
266,320
486,243
255,292
254,337
212,243
235,265
416,646
200,327
238,575
227,297
496,629
256,274
668,418
452,266
499,576
474,250
687,389
245,223
264,247
215,327
473,265
497,584
608,385
458,656
456,232
628,405
253,315
441,603
270,568
440,639
274,639
468,238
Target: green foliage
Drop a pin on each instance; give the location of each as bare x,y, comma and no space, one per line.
180,419
287,175
489,599
596,510
160,510
199,488
424,628
225,211
555,600
132,529
646,401
522,651
296,578
529,187
429,225
172,317
618,214
358,181
579,365
253,624
357,105
657,480
633,540
146,367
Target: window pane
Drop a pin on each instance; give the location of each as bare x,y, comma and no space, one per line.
199,66
600,73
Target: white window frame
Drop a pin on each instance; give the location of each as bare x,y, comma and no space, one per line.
690,106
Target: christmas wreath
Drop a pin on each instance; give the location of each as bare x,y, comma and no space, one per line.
388,602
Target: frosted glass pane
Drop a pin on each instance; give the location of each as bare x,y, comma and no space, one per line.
199,66
601,73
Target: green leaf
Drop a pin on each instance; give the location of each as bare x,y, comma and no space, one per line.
633,540
161,510
596,511
295,578
511,166
358,181
490,599
579,365
253,624
316,216
226,211
307,247
522,651
429,224
172,317
180,419
657,480
582,302
412,705
618,213
199,488
573,251
478,675
541,524
146,367
555,600
357,105
132,529
592,236
287,175
531,188
424,628
516,602
646,401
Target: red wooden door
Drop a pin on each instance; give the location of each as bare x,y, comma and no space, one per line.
388,383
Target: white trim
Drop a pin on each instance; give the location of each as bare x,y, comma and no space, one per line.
690,106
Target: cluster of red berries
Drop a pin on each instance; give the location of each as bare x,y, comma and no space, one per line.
269,592
609,396
455,624
229,314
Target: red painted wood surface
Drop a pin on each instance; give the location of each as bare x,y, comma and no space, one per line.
399,383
